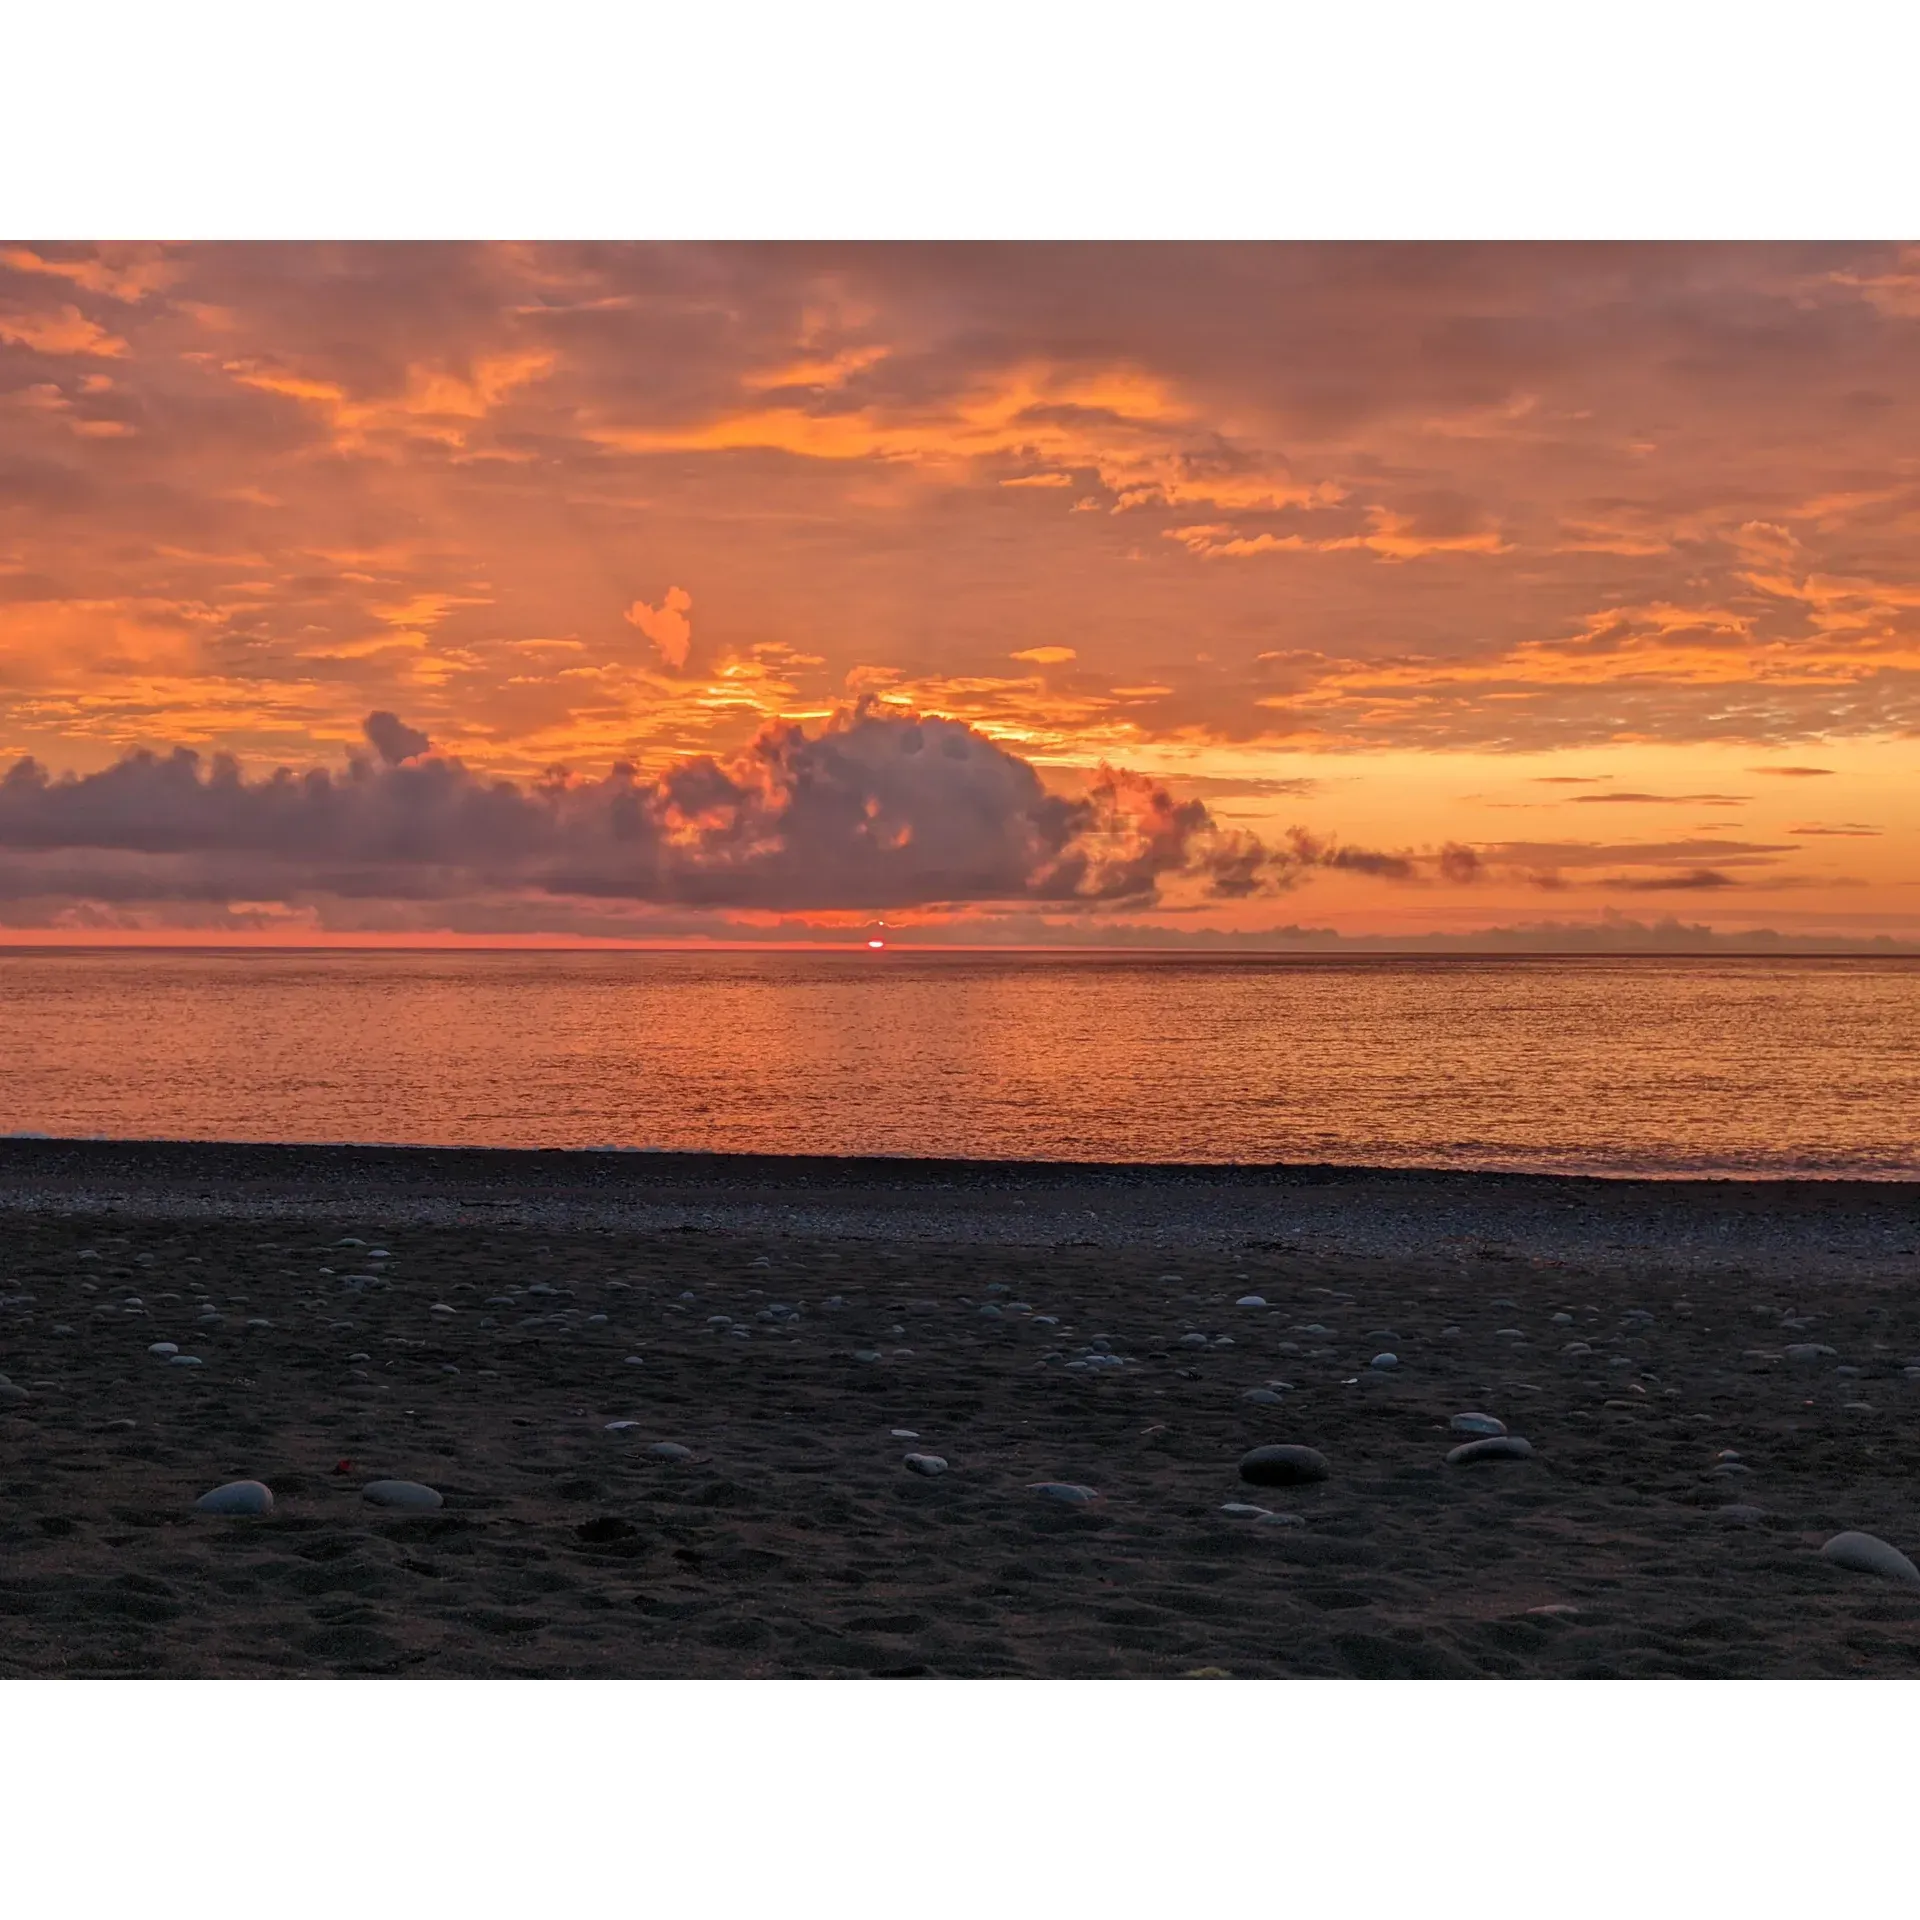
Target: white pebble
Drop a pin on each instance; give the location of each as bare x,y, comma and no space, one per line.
405,1496
1477,1423
164,1348
904,1433
237,1496
1867,1553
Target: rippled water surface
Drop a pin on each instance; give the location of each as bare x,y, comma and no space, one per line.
1671,1066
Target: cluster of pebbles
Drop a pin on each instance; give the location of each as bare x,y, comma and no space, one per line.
1133,1401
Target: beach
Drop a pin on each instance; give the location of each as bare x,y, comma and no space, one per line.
1714,1378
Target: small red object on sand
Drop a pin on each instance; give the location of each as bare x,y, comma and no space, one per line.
343,1466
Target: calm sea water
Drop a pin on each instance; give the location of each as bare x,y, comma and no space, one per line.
1666,1066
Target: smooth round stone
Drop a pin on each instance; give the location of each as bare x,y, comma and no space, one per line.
669,1450
621,1426
165,1348
1250,1300
1283,1467
1807,1353
1064,1491
902,1433
929,1464
404,1496
1503,1446
182,1360
1195,1340
12,1396
867,1355
634,1360
1868,1553
1386,1362
237,1496
1563,1319
1740,1516
1483,1424
1263,1397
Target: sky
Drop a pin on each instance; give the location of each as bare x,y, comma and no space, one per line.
1170,593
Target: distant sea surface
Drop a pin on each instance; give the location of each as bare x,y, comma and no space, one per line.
1770,1067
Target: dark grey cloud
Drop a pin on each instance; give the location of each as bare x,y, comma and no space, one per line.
880,809
393,740
1694,880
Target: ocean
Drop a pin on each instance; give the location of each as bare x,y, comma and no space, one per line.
1604,1065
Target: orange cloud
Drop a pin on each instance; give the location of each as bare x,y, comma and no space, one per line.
67,332
126,276
666,625
432,406
1045,656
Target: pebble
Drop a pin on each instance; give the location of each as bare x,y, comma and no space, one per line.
1263,1397
182,1360
903,1433
634,1360
1477,1423
1250,1300
1805,1353
1740,1516
12,1396
163,1347
1065,1491
1386,1362
1867,1553
405,1496
237,1496
621,1426
1283,1467
669,1450
868,1355
929,1464
1503,1446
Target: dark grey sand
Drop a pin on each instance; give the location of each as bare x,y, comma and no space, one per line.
794,1541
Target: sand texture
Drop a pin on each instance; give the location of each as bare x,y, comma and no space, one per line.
794,1540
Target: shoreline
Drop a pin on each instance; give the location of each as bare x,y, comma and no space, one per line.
1760,1226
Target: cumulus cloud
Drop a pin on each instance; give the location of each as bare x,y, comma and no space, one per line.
879,809
393,740
666,625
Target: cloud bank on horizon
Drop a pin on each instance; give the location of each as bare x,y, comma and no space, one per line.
1201,574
